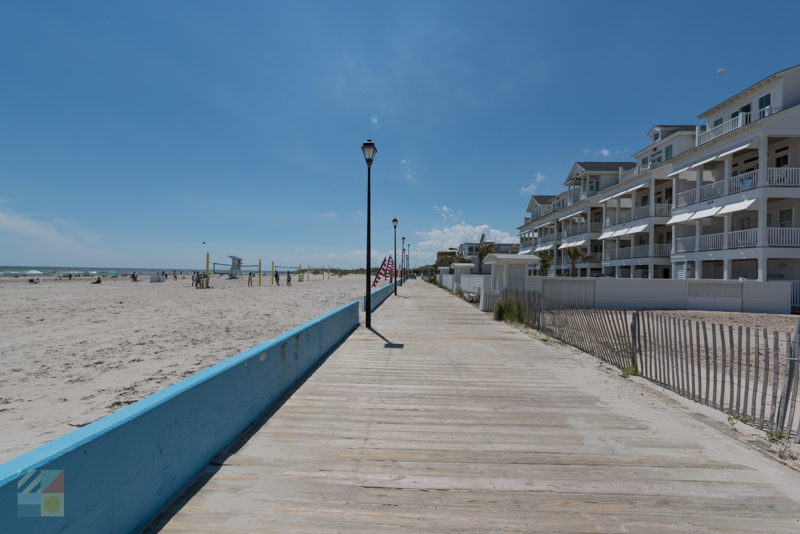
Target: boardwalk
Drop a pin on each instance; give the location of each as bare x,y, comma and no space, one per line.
463,424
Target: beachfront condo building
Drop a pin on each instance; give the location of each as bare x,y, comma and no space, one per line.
718,200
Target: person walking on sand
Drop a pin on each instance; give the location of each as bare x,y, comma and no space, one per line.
288,279
250,280
174,276
277,278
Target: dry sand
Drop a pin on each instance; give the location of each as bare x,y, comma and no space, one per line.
72,352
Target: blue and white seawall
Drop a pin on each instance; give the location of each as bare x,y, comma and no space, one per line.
120,471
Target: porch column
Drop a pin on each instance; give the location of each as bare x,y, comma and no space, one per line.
762,266
651,239
651,198
698,269
763,162
726,175
673,272
726,269
726,221
698,183
762,222
697,229
650,269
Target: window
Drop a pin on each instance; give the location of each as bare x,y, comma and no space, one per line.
782,161
645,161
719,121
645,200
785,218
656,136
744,223
668,152
764,101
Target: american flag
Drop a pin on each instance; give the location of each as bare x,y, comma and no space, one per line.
381,273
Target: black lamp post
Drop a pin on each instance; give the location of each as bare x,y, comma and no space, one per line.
369,150
402,259
408,257
394,258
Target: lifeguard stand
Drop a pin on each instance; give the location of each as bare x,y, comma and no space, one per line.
236,267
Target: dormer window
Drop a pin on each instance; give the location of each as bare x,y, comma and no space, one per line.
656,136
668,152
645,161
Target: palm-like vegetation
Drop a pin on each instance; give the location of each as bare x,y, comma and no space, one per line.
545,261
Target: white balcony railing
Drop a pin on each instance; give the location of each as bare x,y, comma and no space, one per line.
624,253
662,250
711,241
783,176
743,238
767,111
624,216
641,251
726,127
783,237
712,190
686,198
610,254
641,212
744,181
663,210
685,244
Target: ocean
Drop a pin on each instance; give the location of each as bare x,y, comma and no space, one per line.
27,271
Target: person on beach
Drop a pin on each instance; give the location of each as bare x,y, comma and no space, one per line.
277,278
174,276
288,279
98,281
250,280
134,278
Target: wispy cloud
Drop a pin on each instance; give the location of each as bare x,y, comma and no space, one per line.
447,213
406,168
605,152
51,233
531,188
329,215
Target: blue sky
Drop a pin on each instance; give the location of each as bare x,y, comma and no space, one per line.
131,132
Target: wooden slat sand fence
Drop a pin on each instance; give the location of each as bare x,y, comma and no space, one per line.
749,373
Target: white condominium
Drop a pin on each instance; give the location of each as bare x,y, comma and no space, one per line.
720,200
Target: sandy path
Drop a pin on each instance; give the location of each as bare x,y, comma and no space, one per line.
72,352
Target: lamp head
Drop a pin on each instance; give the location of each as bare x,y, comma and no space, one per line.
394,222
369,150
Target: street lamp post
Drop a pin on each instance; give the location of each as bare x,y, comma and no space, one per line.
394,258
408,257
402,259
369,150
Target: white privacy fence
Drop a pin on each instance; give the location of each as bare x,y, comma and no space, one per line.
473,283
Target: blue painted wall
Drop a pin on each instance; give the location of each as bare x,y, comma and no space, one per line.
122,470
378,296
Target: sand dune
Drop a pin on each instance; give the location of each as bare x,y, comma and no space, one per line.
72,352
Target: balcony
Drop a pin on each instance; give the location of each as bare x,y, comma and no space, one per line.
640,212
685,198
775,177
711,241
662,250
663,210
735,123
743,238
783,237
578,229
685,244
641,251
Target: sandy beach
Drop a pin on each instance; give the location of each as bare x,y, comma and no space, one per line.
73,352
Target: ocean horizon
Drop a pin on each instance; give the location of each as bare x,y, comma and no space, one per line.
20,271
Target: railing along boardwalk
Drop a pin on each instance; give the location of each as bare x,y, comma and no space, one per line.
443,420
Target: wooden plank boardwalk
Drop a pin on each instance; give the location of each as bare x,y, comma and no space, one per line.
463,424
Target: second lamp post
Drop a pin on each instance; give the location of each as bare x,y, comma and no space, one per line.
394,258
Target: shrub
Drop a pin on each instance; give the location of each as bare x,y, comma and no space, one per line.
629,370
509,310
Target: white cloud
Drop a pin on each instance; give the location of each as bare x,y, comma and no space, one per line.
54,233
531,188
447,213
452,236
604,152
329,215
587,150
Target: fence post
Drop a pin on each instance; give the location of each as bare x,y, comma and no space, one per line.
634,338
792,356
